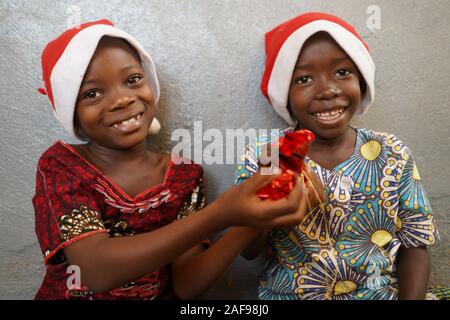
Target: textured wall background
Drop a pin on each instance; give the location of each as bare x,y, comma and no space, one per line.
209,56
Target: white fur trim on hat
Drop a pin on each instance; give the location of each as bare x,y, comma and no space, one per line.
280,78
69,71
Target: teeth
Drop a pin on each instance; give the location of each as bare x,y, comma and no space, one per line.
128,122
329,115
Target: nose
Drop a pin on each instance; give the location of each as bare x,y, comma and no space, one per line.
328,91
122,100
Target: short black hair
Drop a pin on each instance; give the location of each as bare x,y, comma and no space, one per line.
132,48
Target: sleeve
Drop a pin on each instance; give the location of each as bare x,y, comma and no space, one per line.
415,221
247,164
196,201
64,211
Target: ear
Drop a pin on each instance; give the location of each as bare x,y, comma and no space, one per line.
155,126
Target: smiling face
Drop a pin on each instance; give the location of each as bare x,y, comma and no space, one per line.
115,104
325,88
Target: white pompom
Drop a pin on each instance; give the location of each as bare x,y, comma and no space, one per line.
154,127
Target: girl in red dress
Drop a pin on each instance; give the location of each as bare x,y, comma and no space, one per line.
113,219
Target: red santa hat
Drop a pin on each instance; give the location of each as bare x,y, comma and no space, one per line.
66,59
283,46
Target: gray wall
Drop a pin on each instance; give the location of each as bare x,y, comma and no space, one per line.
209,56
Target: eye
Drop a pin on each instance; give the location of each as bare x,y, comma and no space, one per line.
134,79
343,72
304,80
91,94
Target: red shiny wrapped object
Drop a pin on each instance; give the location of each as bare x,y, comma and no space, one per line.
293,147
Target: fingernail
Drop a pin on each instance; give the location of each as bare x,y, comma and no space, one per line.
275,170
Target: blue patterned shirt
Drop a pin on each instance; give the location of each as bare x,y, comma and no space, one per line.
375,203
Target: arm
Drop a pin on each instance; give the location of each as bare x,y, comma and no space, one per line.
315,195
256,246
107,263
413,268
417,232
196,270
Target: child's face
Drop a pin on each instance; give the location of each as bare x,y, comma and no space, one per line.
325,91
115,103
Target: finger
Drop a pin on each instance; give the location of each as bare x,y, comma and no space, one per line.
264,158
307,169
312,176
302,208
309,174
262,178
314,185
293,219
269,154
272,209
315,192
298,189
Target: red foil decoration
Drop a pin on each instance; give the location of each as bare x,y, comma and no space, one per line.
293,147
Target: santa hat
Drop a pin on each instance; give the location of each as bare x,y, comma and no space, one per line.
283,45
66,59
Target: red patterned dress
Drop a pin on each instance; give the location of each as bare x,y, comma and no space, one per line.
74,200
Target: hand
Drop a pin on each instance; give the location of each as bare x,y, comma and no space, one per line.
240,206
316,195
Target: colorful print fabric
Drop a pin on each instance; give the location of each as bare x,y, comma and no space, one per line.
375,203
74,200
